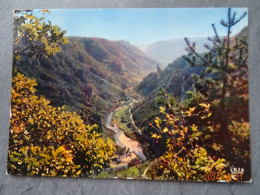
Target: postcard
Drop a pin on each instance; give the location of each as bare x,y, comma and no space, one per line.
153,94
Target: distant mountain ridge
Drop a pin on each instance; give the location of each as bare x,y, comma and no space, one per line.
169,50
176,78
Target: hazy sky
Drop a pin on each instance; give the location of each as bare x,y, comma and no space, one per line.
142,26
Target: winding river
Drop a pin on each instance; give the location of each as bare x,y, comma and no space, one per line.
123,140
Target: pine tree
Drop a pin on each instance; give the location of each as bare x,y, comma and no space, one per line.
225,72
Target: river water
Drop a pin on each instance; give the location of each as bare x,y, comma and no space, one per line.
123,140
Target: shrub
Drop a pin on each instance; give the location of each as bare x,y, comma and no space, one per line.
184,159
49,141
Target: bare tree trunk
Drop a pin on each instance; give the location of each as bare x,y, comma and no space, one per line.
224,134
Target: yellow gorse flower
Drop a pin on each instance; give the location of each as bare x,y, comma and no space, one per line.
194,128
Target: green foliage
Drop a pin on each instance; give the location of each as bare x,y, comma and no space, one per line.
184,159
224,80
144,112
164,98
173,77
240,135
137,172
123,119
34,37
210,128
50,141
46,140
223,83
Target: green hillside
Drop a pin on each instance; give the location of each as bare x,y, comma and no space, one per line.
176,78
89,75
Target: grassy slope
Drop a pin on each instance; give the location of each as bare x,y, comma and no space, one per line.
122,119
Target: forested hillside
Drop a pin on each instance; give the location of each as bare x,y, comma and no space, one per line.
87,106
89,75
176,79
46,140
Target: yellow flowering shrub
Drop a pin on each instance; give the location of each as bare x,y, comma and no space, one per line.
35,37
49,141
184,159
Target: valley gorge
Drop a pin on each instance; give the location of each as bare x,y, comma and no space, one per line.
112,84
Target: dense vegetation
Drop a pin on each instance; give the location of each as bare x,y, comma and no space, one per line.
89,75
190,119
184,158
176,78
49,141
46,140
123,120
194,145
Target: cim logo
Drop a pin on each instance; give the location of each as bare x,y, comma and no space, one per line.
236,172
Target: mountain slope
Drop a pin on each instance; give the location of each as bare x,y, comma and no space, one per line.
89,75
176,77
119,57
